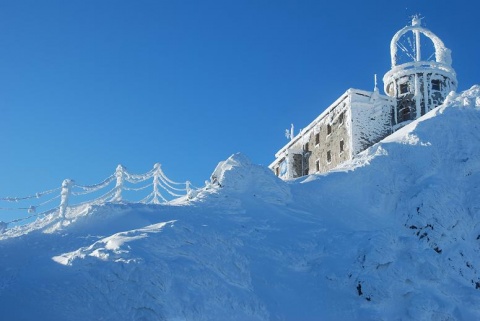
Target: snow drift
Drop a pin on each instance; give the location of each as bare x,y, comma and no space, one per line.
391,235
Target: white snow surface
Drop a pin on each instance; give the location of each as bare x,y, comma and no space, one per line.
392,235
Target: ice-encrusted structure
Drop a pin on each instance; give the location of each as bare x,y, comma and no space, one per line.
420,79
420,83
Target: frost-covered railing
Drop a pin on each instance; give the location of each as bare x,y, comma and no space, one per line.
70,195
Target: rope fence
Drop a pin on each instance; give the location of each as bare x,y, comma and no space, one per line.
70,194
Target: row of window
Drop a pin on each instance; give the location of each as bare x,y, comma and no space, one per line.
436,85
329,129
329,156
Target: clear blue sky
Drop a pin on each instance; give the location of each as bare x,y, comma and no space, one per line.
87,85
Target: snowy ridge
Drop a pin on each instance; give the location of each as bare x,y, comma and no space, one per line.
391,235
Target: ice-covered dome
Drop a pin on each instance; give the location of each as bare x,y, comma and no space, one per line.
441,55
421,75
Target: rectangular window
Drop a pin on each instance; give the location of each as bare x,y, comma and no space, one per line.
404,114
305,147
341,146
317,165
317,139
277,171
404,88
340,118
436,85
329,129
329,156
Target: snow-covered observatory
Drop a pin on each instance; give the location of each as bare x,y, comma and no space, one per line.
420,79
421,75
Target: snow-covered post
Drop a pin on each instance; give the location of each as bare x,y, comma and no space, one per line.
156,182
188,188
65,195
119,174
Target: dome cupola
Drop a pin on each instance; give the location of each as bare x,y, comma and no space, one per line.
422,75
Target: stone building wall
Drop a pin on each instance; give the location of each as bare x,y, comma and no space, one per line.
357,120
326,137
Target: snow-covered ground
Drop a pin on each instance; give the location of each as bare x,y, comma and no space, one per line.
392,235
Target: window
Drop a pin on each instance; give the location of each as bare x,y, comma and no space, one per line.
389,90
277,171
404,88
317,139
317,165
329,157
329,129
342,144
305,171
340,118
305,147
404,114
436,85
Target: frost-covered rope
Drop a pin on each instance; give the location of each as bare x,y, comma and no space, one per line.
48,201
93,188
138,178
108,196
160,177
30,208
164,181
31,216
162,174
138,188
37,195
167,190
154,198
14,208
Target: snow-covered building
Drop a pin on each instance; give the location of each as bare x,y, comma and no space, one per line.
420,78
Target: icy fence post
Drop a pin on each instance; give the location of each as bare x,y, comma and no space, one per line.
156,182
64,195
119,174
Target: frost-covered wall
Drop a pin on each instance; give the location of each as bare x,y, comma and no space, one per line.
371,119
417,92
355,121
320,146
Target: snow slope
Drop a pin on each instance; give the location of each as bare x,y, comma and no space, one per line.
392,235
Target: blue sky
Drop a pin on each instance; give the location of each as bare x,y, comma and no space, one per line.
87,85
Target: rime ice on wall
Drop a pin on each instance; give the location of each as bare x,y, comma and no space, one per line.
371,120
355,121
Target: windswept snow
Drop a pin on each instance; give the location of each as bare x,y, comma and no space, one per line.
392,235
